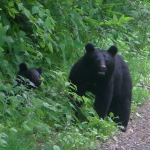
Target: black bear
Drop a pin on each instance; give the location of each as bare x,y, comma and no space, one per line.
106,75
32,74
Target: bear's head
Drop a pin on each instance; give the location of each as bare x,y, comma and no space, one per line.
100,61
32,74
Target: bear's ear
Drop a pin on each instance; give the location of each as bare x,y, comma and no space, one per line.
39,70
89,47
113,50
23,67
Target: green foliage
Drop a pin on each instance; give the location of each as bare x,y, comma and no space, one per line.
52,34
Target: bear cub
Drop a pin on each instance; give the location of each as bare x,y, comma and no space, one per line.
106,75
32,74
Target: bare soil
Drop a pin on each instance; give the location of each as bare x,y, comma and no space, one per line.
137,136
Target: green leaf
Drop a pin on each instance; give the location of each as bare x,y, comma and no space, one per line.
62,47
42,44
9,39
48,11
27,13
69,2
29,49
91,13
121,20
13,129
22,34
40,21
26,127
41,13
6,28
126,19
69,118
14,10
2,96
10,3
50,47
1,49
55,147
115,18
11,13
15,102
58,125
111,114
78,44
50,107
1,35
35,9
20,6
46,105
67,84
3,143
52,20
48,60
39,112
47,22
47,38
99,2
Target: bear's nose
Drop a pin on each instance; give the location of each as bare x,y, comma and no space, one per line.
40,81
103,68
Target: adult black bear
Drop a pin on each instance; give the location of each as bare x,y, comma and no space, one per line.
32,74
106,75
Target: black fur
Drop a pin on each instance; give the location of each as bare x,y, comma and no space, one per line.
32,74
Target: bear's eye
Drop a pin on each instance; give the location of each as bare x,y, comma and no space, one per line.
36,77
33,76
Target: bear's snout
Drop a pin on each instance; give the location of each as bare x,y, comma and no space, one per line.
38,82
103,68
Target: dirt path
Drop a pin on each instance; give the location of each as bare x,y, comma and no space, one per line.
137,136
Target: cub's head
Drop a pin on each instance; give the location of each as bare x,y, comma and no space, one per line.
100,61
32,74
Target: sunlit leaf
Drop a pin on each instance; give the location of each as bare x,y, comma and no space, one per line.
11,3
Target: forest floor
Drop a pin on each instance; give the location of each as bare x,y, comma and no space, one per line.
137,136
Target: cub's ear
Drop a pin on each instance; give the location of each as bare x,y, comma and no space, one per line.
89,47
113,50
39,70
23,67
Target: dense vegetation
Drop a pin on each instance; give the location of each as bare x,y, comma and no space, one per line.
52,34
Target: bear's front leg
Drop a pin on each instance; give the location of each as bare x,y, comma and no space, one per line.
102,104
